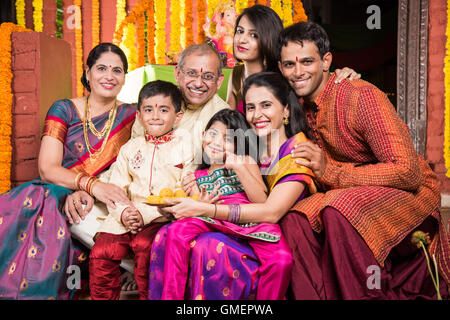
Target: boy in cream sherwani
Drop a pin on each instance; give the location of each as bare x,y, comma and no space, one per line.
145,165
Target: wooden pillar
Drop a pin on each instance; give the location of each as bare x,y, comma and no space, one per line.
412,68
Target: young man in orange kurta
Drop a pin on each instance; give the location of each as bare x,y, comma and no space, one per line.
353,239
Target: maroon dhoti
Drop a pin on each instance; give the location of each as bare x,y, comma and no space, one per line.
105,257
338,264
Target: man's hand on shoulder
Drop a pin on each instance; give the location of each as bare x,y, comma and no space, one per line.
312,156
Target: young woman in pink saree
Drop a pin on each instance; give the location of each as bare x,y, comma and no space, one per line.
272,111
36,248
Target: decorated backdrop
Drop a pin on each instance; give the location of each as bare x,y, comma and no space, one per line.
149,31
152,32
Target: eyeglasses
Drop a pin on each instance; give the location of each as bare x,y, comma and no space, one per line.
207,77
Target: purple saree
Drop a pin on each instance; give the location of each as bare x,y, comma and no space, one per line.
224,265
36,249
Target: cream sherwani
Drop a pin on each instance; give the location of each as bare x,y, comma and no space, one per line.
194,122
144,166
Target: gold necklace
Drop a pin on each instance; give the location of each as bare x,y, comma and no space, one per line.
98,134
107,128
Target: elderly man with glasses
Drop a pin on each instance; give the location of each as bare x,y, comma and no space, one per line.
199,76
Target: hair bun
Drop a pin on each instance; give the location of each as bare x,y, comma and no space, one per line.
85,82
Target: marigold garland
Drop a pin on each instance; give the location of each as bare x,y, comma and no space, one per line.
299,12
276,6
447,95
121,12
287,13
20,12
188,14
37,15
140,12
95,22
78,47
129,43
150,13
201,19
211,6
141,40
6,100
174,26
160,31
182,18
241,5
122,44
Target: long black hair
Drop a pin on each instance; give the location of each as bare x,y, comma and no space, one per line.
96,52
243,137
268,25
283,92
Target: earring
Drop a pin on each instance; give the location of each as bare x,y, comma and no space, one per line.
286,121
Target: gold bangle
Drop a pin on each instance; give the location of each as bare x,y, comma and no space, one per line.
86,184
94,181
89,184
215,210
77,180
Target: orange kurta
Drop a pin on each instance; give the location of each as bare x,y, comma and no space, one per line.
374,176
